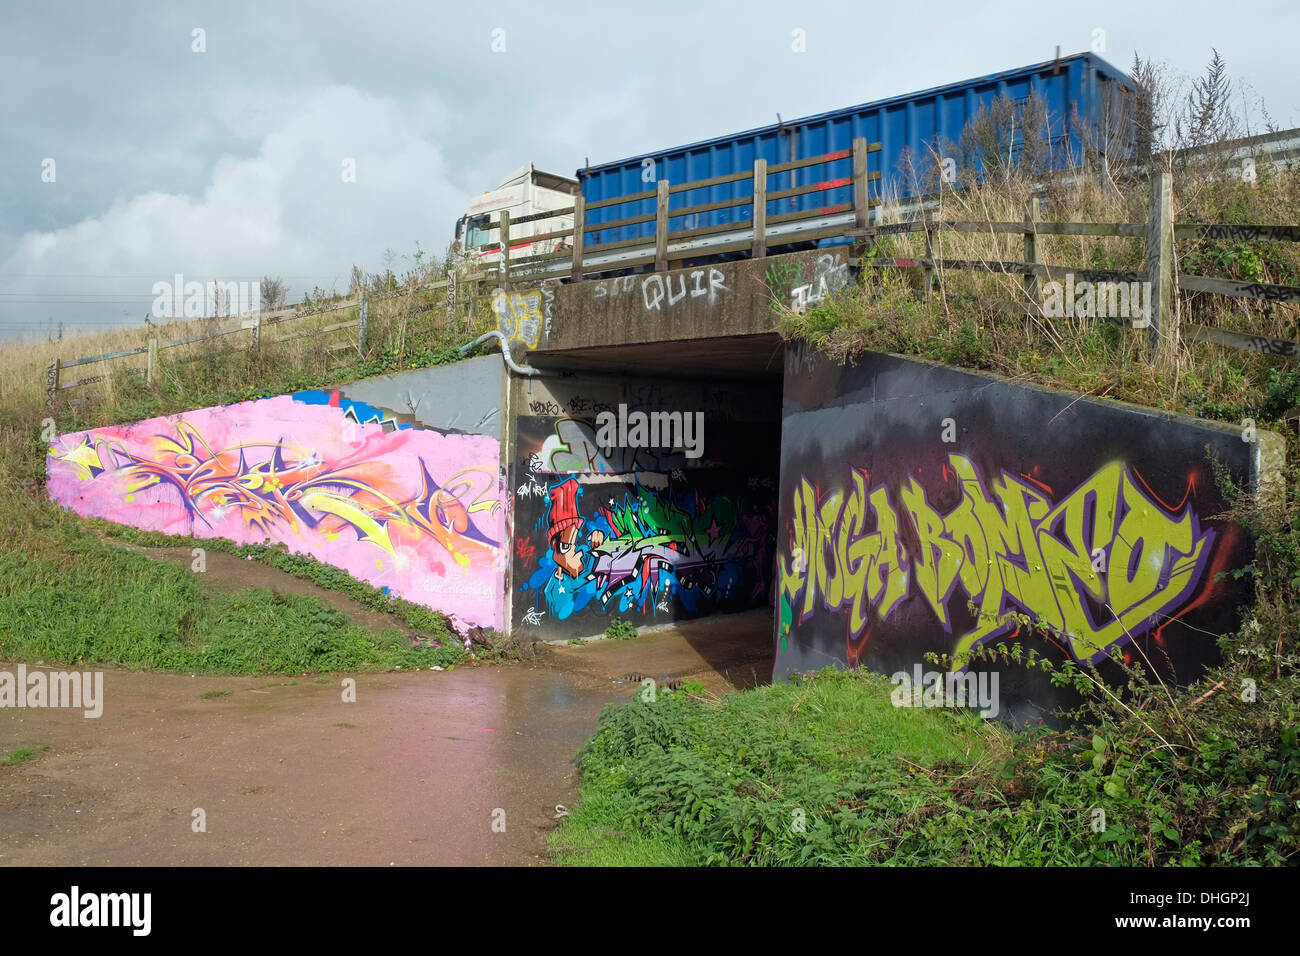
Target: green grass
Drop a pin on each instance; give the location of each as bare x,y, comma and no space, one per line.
68,598
299,565
210,694
683,780
620,630
826,771
23,754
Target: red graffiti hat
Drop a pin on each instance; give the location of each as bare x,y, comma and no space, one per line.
564,506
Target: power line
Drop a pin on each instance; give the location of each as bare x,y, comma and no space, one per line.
149,275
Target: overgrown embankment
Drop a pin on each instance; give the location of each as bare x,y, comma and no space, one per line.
970,320
816,773
828,771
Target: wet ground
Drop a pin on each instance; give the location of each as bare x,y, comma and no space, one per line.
725,652
456,767
462,767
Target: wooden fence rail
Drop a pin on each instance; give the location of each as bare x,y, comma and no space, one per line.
254,325
1159,231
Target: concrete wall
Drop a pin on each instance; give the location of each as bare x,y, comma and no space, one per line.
648,535
464,397
702,302
910,491
414,510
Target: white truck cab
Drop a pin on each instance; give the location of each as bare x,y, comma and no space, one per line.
524,192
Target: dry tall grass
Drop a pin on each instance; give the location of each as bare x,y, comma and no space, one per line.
408,324
992,319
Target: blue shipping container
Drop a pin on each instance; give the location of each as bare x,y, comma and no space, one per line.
1083,86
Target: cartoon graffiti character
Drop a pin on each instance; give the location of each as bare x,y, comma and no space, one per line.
573,584
648,551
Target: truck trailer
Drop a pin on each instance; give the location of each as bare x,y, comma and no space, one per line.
1084,99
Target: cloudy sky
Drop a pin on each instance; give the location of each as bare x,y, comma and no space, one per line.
226,163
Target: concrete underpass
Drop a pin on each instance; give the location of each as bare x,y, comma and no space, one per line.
675,534
685,540
862,513
652,454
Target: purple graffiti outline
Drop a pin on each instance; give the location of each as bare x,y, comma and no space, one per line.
1171,563
903,566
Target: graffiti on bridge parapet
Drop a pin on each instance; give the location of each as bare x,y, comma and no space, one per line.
525,316
662,291
798,285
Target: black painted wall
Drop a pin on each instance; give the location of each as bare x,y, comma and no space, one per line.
909,490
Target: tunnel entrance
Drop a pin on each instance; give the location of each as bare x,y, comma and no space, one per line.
645,482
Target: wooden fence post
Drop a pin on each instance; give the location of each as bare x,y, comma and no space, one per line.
759,248
661,227
1163,330
929,265
52,382
151,369
505,246
361,327
255,333
1031,256
860,207
579,235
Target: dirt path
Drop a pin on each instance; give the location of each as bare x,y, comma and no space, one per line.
287,773
230,572
416,771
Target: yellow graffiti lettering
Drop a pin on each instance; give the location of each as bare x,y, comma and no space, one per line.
370,529
1067,541
1009,548
842,560
938,561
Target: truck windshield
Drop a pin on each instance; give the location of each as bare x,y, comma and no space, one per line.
476,232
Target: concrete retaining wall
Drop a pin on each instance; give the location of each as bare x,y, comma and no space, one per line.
355,482
922,508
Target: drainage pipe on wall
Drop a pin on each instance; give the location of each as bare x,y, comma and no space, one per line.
505,354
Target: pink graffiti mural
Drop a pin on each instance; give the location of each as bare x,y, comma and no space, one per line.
414,511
